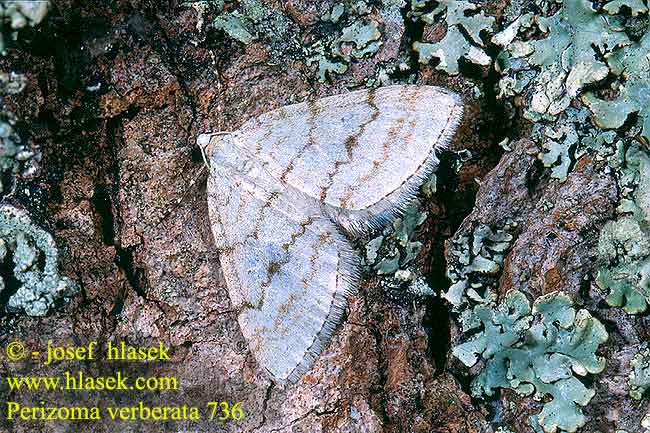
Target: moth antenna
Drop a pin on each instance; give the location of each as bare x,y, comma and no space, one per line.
205,158
202,141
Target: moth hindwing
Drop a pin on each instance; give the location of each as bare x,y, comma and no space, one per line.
290,188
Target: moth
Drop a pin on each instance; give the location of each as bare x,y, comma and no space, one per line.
292,189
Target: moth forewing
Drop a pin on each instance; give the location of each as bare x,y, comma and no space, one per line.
367,150
284,188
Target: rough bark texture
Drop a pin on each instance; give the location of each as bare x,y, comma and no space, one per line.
122,188
554,248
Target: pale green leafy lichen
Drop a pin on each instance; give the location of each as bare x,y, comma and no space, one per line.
234,26
571,136
327,67
15,157
580,46
557,140
12,152
550,60
12,83
624,244
636,7
569,56
21,13
536,352
555,66
372,248
364,35
639,379
475,264
629,280
335,15
392,253
254,20
35,266
358,37
17,14
572,34
396,244
633,66
462,18
388,264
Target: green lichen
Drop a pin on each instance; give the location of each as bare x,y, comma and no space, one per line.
392,253
13,154
353,34
568,56
327,67
475,263
16,14
253,20
536,351
550,60
388,264
357,36
364,36
624,244
639,379
235,26
629,280
569,136
556,142
372,248
35,266
632,65
396,247
12,83
579,71
636,7
465,23
335,15
566,140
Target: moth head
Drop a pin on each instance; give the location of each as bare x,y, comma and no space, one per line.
220,152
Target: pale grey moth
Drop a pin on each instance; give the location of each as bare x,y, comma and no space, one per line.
290,190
